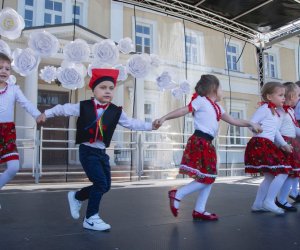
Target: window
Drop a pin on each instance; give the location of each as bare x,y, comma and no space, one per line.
143,38
76,11
271,66
231,57
53,12
235,131
28,13
192,48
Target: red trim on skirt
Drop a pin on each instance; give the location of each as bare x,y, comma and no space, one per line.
294,157
262,155
8,147
199,160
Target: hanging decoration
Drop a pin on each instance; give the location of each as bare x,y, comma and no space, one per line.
177,93
185,87
155,60
125,45
77,51
4,48
25,61
123,74
11,23
48,74
105,52
138,65
70,77
43,43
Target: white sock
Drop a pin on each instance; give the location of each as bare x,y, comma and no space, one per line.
274,188
202,199
13,167
263,190
294,191
284,192
187,189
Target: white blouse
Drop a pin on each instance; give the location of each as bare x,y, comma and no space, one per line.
288,127
7,104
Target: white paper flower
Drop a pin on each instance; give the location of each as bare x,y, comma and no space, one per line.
70,78
12,80
185,87
155,60
125,45
123,74
4,48
94,65
106,52
43,43
25,61
48,74
77,51
78,66
177,93
139,65
164,81
11,23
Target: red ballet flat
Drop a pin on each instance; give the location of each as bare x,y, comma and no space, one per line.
203,216
172,198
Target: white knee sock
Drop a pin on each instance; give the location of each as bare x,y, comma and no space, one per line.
10,172
263,190
284,192
187,189
294,191
275,187
202,198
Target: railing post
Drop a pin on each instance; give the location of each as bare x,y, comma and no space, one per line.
41,152
139,153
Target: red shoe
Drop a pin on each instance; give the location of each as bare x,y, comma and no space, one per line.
203,216
172,194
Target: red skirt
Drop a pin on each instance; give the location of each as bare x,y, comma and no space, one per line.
263,156
199,160
8,148
294,157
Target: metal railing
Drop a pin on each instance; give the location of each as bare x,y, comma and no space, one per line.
143,154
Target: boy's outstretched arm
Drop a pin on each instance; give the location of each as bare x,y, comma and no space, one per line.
172,115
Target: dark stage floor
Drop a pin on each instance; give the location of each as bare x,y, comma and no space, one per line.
141,220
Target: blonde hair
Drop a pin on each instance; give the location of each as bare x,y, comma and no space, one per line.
290,89
269,88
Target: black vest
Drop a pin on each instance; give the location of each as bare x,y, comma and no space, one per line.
86,129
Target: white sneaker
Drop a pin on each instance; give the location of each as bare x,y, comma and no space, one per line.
74,204
95,223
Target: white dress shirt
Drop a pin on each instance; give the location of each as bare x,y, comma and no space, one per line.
288,127
7,103
70,109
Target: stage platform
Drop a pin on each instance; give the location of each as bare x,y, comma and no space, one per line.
36,217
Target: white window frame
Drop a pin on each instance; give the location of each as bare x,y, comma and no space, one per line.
241,107
153,31
268,65
198,46
67,11
31,8
237,54
54,13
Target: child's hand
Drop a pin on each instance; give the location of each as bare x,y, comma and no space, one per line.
41,118
256,128
156,124
287,148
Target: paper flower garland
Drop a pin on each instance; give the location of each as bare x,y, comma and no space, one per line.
123,75
139,65
4,48
125,45
77,51
164,81
155,60
11,23
106,52
177,93
43,43
48,74
70,78
24,61
185,87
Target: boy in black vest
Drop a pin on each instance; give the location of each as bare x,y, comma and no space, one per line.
97,120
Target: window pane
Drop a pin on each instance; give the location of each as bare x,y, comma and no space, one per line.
76,20
47,18
138,48
187,39
139,29
28,15
147,108
48,4
146,30
29,2
76,10
57,6
147,50
147,42
57,19
138,40
28,23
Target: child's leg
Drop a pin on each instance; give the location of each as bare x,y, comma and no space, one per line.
202,199
294,191
187,189
284,192
274,189
13,167
262,191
